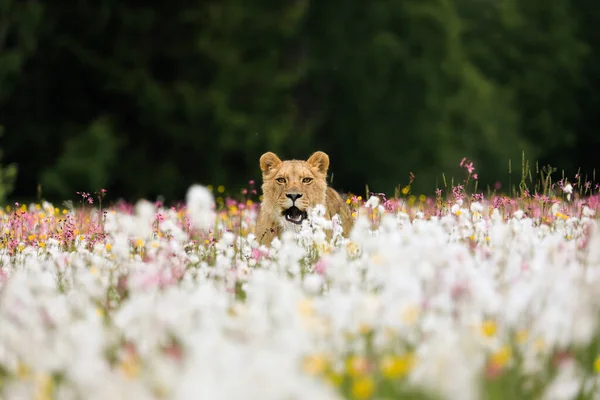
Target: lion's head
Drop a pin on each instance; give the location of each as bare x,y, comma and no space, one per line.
290,188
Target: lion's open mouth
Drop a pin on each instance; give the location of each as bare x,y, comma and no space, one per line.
294,215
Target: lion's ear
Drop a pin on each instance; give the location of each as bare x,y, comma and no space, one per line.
320,161
268,161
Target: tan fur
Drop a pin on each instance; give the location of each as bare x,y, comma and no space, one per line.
282,179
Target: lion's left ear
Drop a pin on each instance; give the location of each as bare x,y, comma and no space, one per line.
320,161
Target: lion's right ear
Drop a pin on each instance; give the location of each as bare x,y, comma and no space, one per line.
268,161
320,161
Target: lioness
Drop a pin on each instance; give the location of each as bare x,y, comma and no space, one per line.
292,187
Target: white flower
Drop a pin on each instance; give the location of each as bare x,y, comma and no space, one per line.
476,207
200,207
566,384
555,208
568,189
518,214
313,283
455,208
588,212
373,202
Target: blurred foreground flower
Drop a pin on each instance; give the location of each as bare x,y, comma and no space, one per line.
201,207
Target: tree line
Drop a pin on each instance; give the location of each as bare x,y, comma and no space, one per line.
143,99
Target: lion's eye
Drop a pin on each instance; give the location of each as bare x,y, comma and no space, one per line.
307,180
280,180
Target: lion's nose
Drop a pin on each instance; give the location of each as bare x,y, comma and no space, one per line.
293,196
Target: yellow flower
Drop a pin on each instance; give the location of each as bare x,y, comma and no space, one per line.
42,244
488,328
221,189
363,388
597,364
139,243
376,259
501,357
22,370
356,366
306,308
393,367
364,328
323,248
108,247
130,366
315,364
406,189
522,336
562,216
352,248
410,314
540,344
44,387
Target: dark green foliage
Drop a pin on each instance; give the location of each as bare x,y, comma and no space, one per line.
145,99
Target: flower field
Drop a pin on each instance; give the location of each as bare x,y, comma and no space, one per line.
429,298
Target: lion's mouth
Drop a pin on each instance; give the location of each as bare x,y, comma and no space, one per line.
294,215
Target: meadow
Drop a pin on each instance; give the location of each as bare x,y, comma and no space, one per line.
461,295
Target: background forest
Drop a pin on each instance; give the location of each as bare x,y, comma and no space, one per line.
146,98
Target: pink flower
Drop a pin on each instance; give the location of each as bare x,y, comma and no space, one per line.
320,267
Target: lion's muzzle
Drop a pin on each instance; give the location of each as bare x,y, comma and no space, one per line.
294,215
